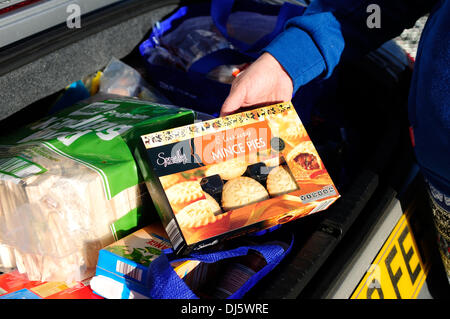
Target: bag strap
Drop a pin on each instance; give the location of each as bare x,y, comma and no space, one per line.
222,9
164,283
210,61
220,12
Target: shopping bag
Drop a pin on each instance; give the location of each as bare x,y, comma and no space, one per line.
192,87
164,283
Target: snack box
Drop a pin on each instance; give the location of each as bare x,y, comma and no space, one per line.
14,285
194,274
233,175
125,262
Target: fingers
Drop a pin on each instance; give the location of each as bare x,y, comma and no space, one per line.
264,82
234,100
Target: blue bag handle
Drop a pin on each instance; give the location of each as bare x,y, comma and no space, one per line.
220,57
222,9
164,283
220,12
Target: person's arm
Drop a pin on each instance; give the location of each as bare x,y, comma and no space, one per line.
311,46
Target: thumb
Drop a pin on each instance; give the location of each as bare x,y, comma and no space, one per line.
233,102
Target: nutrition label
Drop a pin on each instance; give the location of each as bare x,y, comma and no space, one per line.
16,168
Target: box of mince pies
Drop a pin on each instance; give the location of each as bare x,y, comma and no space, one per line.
233,175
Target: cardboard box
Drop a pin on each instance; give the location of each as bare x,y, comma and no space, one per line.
233,175
14,285
122,268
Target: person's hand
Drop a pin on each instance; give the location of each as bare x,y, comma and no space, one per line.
264,82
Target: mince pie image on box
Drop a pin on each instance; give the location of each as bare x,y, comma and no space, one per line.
233,175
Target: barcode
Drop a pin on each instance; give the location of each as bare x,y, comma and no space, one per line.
174,234
325,192
322,205
18,168
129,270
27,171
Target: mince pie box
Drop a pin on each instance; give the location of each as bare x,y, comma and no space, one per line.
234,175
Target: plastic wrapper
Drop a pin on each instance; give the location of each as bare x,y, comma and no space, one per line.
197,37
14,285
163,57
69,184
121,79
226,73
7,259
190,41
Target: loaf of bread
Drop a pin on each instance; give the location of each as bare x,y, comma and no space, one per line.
69,184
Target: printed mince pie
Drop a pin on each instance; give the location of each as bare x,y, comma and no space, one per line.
228,170
242,191
280,181
203,219
304,161
184,193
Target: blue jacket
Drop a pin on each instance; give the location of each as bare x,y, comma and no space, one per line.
331,31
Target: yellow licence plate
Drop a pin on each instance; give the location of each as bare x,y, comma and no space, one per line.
398,271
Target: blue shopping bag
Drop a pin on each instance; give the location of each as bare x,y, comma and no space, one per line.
192,88
164,283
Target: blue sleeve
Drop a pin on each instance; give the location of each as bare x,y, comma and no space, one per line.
331,31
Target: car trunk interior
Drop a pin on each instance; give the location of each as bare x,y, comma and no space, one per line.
370,168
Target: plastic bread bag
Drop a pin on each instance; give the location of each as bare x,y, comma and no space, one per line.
7,259
69,184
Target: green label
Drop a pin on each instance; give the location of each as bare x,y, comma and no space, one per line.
139,249
99,135
18,167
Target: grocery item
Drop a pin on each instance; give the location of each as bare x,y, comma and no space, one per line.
198,37
116,78
75,92
121,79
7,259
236,174
189,42
226,73
122,268
69,184
196,52
14,285
112,289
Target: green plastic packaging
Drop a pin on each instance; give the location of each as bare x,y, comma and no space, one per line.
69,184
